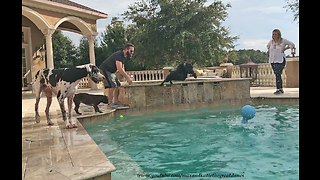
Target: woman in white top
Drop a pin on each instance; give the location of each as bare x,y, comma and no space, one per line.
277,57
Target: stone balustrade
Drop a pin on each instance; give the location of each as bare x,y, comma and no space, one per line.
146,75
265,76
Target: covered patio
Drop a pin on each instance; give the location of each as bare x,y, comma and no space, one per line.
40,19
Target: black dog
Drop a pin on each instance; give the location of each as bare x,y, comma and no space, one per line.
181,73
90,100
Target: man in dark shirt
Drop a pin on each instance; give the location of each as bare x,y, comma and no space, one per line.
114,63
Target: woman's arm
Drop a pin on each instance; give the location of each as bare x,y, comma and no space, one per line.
288,44
269,44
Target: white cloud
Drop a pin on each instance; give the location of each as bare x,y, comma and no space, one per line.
258,44
253,20
265,10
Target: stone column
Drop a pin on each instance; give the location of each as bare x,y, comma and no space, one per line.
292,72
48,35
91,39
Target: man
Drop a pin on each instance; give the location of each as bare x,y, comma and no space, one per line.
114,63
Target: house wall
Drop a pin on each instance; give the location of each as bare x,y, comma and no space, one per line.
37,41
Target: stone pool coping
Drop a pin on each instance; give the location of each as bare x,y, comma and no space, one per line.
261,95
54,152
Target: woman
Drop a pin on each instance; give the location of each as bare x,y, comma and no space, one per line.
277,57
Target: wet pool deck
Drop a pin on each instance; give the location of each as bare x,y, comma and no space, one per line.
54,152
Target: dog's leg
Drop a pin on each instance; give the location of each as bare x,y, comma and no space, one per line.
37,89
77,105
96,109
171,82
36,106
70,98
49,100
64,113
162,83
194,75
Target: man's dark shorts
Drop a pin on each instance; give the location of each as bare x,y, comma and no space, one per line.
111,80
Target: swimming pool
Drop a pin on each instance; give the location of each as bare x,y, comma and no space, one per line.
203,142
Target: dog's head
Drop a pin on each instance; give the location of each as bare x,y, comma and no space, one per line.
105,99
188,67
93,72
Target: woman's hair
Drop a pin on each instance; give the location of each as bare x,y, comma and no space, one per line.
279,36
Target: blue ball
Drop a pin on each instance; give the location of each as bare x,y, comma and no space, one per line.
247,112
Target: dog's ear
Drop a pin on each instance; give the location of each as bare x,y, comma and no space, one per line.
89,67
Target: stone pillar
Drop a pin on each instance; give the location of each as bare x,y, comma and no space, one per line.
48,35
91,39
292,72
229,67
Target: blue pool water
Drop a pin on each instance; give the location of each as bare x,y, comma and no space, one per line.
201,142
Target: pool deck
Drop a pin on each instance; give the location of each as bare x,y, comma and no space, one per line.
54,152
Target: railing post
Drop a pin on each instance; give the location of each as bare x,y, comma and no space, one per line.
292,72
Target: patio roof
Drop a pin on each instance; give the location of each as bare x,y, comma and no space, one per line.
64,6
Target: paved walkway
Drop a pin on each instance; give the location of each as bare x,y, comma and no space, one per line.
267,92
54,152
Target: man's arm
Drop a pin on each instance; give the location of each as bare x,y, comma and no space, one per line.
122,71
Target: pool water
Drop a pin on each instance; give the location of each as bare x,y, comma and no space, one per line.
206,141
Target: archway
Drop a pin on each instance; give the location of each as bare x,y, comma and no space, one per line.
79,23
36,18
48,17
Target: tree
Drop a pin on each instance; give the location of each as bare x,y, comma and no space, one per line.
293,5
240,56
113,38
168,32
83,52
64,51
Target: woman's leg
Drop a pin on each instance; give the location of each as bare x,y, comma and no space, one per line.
277,69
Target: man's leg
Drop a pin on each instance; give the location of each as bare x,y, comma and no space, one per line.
116,98
116,95
110,94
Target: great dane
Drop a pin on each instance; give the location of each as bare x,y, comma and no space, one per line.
63,83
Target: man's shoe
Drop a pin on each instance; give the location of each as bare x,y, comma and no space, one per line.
119,104
112,106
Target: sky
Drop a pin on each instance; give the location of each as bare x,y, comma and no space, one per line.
252,20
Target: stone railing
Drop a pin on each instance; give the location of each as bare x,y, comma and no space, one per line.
146,75
265,76
84,83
